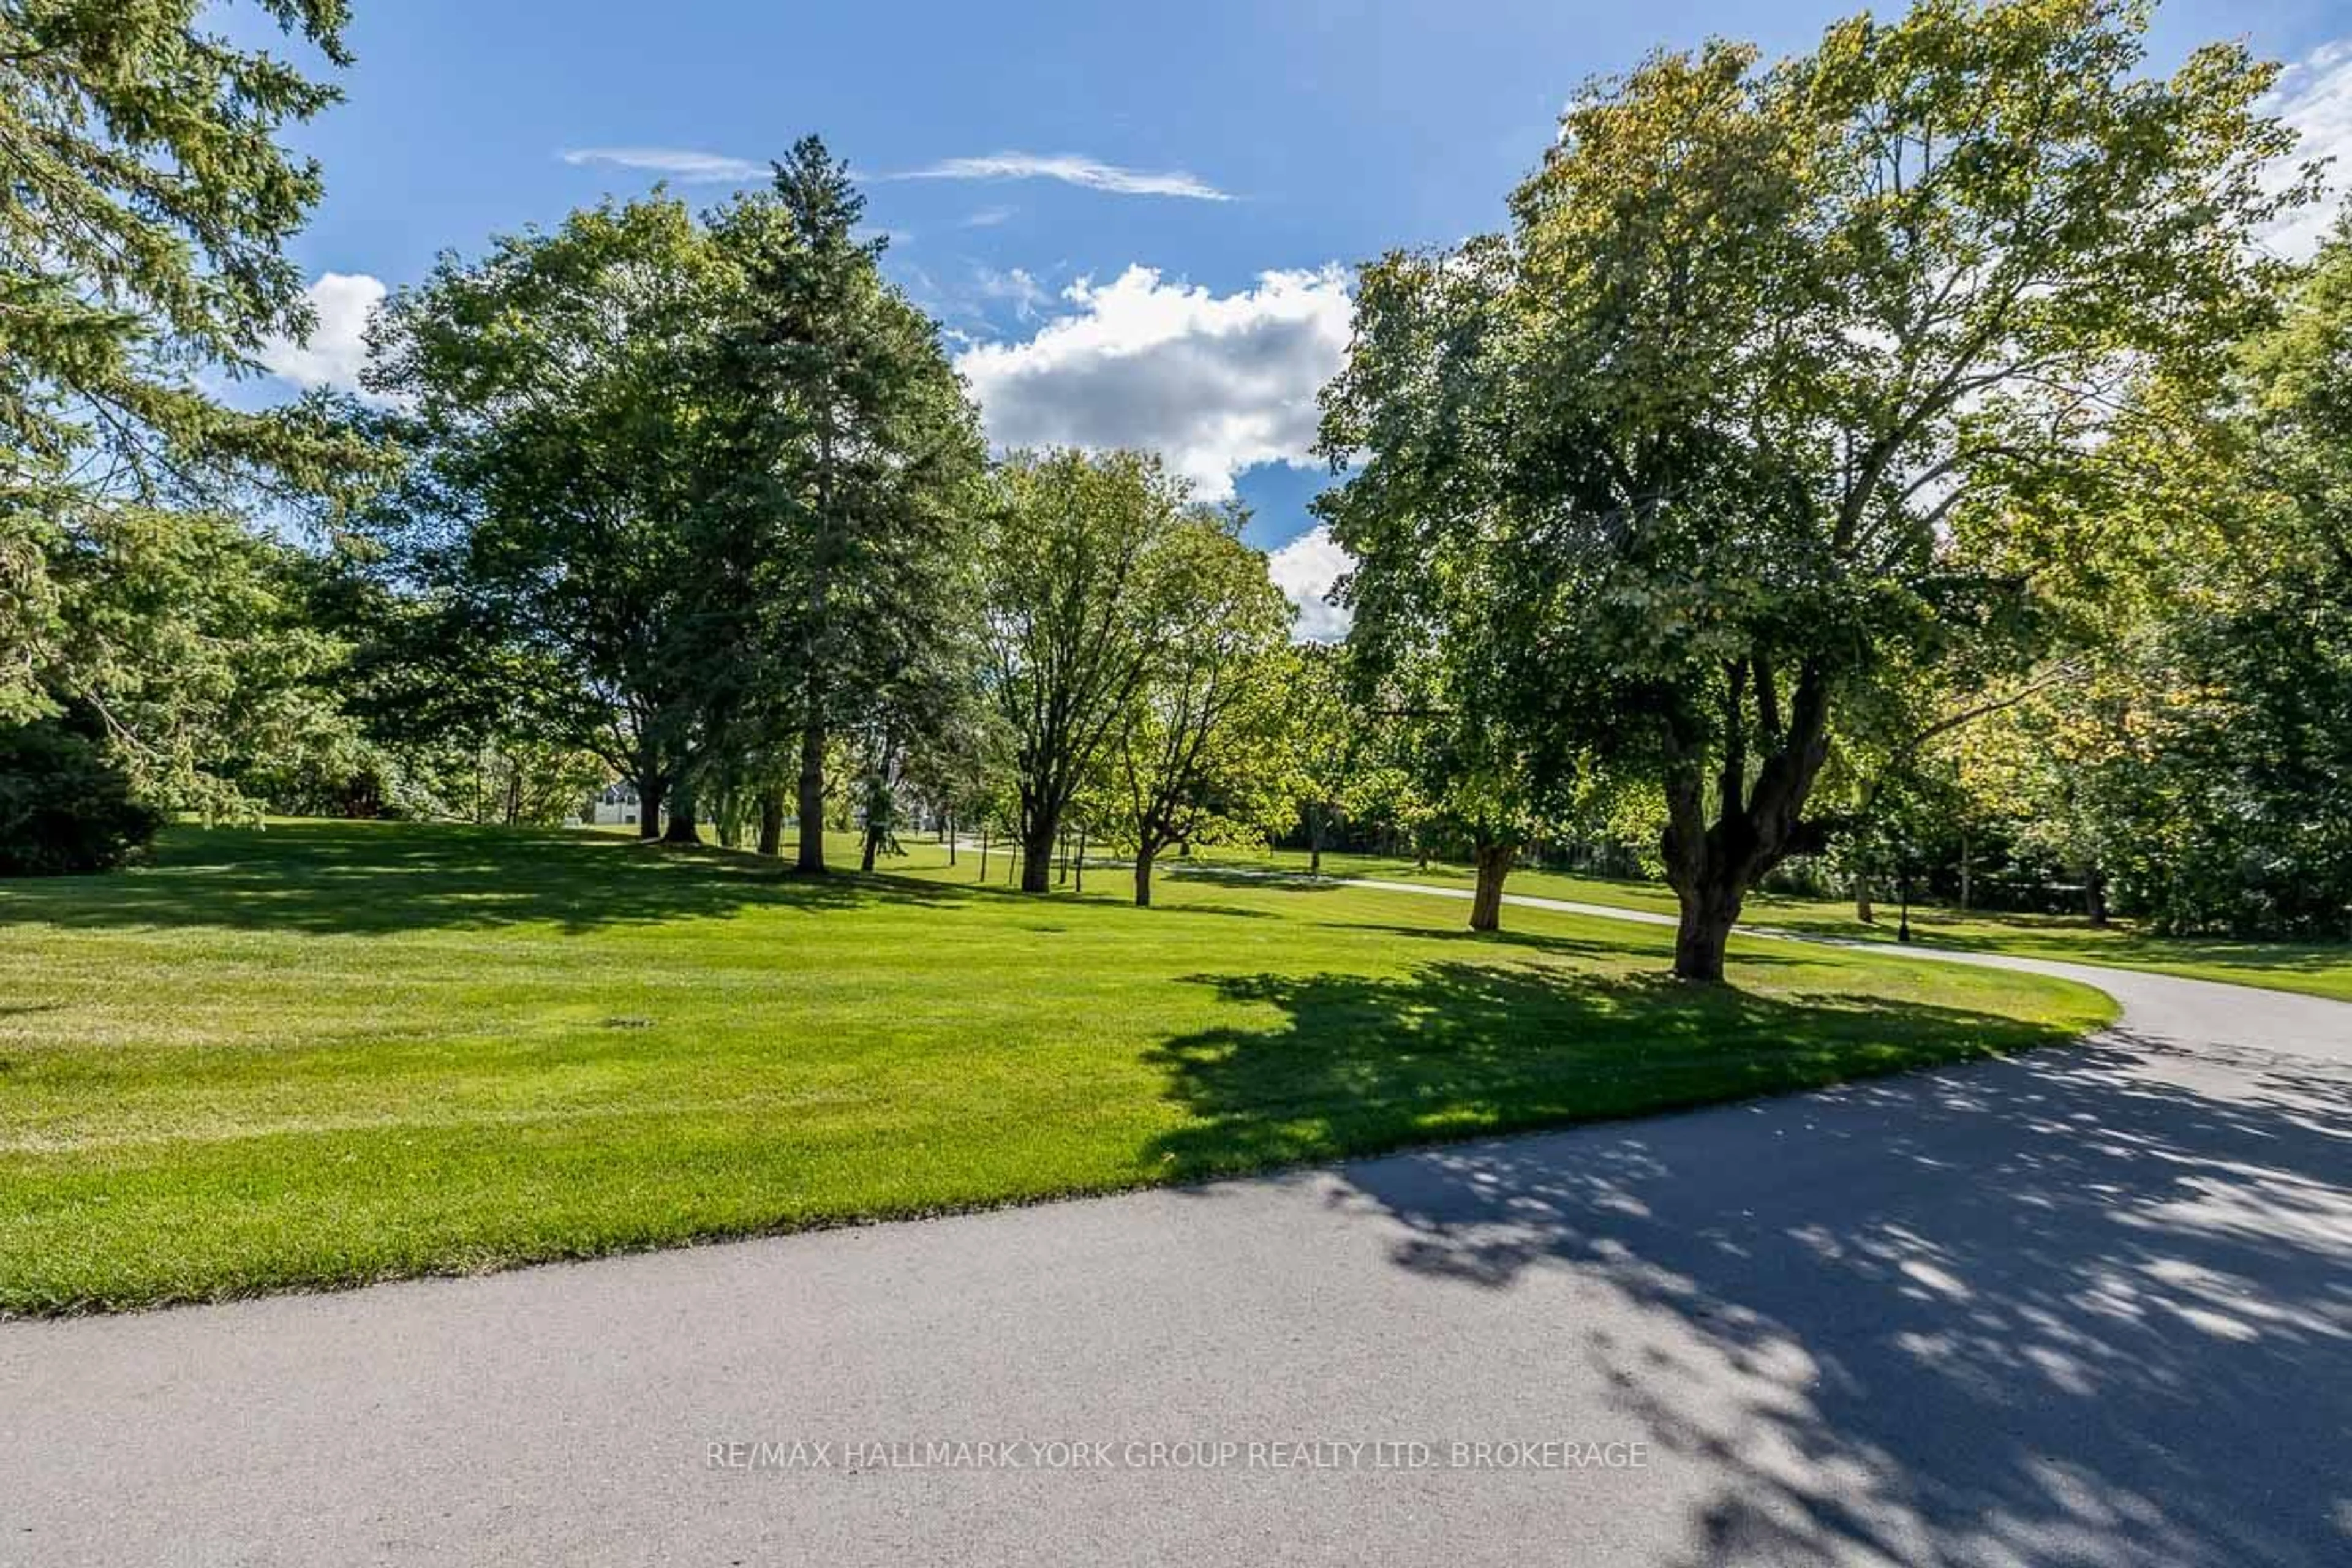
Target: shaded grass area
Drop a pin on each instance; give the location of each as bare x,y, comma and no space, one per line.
330,1053
2316,969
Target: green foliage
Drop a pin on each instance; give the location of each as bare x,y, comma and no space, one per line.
64,808
1742,418
853,490
2200,768
1199,757
1088,572
141,235
553,524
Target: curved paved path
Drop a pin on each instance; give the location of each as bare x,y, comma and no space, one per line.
2089,1307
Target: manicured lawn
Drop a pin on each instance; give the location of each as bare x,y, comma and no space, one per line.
2319,969
329,1053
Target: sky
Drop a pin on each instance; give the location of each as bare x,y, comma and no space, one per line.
1135,225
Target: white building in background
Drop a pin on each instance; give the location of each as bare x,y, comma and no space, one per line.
617,807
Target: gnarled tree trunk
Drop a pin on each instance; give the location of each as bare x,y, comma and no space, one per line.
771,821
1711,866
1707,918
1143,858
650,791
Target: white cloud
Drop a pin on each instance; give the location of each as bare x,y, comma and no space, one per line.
1215,384
682,163
336,350
1305,569
2313,96
989,217
1023,292
1071,168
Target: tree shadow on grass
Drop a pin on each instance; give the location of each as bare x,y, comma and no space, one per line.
1354,1064
1233,877
347,878
2084,1306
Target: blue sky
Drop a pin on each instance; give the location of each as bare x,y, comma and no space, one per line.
1134,221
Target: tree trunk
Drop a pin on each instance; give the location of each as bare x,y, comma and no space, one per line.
1966,876
682,830
1494,862
1143,877
1081,882
1862,910
811,799
1037,854
983,851
872,842
951,838
771,821
649,801
1758,824
1314,841
2094,896
1708,913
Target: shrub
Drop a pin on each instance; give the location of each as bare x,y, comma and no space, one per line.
64,808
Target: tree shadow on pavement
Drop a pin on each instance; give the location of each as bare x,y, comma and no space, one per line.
2090,1306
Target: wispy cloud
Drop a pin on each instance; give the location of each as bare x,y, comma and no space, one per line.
1021,291
989,217
1070,168
685,163
2313,96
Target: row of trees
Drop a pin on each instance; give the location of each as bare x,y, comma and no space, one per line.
1888,460
705,499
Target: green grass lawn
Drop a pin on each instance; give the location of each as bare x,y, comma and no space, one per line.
328,1053
2316,969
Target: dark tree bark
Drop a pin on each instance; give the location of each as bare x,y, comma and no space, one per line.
650,790
1705,932
1143,858
811,799
2094,896
873,844
951,838
771,821
1862,910
1038,854
1493,864
1712,866
682,828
